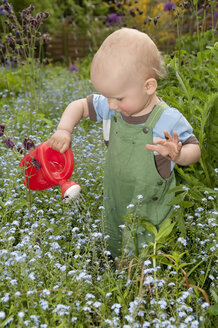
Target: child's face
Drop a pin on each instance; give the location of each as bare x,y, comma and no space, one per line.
130,99
130,102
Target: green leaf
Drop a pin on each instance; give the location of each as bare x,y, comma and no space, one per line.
184,265
163,260
187,204
164,225
162,234
177,200
148,226
215,296
181,221
185,85
213,309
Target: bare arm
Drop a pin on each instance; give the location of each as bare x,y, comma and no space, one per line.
172,149
61,139
189,154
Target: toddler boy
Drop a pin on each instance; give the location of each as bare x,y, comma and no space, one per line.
146,136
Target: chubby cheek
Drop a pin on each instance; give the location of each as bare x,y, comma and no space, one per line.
128,107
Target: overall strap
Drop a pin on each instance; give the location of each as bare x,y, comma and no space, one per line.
155,114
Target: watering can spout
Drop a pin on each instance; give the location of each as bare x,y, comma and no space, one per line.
44,168
70,189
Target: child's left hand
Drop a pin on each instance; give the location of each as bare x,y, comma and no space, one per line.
168,147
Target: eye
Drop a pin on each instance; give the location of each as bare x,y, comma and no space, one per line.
119,99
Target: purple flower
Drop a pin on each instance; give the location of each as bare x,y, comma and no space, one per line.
28,143
2,129
169,6
3,12
132,12
113,19
8,142
73,68
36,164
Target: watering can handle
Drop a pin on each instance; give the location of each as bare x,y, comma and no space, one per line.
68,169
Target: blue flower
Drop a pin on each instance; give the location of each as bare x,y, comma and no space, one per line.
169,6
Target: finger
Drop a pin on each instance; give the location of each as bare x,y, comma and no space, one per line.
160,141
63,149
175,137
151,147
167,135
179,145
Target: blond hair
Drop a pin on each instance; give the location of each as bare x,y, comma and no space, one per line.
130,49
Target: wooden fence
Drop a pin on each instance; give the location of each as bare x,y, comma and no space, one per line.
68,45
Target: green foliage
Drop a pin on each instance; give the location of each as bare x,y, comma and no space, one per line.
197,101
80,12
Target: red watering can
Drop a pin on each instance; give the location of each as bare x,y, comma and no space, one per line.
45,167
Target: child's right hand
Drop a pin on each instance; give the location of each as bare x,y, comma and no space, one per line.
61,140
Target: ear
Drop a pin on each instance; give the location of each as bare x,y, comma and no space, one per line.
150,86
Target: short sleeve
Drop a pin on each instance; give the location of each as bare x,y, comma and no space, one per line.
172,120
183,128
100,105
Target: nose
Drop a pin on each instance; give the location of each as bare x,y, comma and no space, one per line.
112,103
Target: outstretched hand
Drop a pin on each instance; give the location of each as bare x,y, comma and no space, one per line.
169,147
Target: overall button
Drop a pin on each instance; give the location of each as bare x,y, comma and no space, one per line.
145,130
115,119
155,198
160,183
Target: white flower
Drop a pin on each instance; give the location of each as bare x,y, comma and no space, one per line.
182,241
32,276
139,196
205,305
62,309
17,294
63,268
5,298
21,315
146,324
44,304
97,304
163,304
2,315
130,206
147,262
149,280
116,307
89,296
73,319
129,318
189,318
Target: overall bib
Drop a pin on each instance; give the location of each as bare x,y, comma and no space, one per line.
130,171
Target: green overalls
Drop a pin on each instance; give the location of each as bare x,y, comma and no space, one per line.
130,171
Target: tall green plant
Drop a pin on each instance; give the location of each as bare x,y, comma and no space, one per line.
22,46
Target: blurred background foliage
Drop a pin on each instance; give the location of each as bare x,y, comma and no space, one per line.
164,21
78,10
